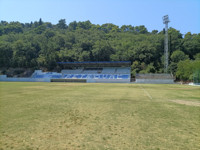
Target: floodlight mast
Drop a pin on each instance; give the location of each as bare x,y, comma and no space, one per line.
166,63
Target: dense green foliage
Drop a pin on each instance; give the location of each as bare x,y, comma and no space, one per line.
187,68
42,44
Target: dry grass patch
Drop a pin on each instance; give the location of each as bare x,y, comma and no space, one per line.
97,116
189,103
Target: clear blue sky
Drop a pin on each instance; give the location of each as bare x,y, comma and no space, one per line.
184,14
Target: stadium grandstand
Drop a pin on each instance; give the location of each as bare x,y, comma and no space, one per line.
91,72
97,72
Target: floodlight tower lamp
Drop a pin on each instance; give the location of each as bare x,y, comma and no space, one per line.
166,63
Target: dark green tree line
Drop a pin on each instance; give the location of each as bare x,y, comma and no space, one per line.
41,44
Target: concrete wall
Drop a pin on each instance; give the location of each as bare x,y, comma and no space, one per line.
5,78
108,80
69,80
155,81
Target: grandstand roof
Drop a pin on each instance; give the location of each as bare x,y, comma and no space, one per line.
97,64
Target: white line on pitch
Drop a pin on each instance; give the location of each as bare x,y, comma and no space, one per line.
145,91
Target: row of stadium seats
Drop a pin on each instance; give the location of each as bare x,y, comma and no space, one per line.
88,73
70,71
105,70
40,74
123,70
47,76
109,70
82,76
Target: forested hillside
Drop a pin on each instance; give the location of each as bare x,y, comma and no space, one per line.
41,44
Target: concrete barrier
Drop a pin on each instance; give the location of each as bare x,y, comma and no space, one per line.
5,78
108,80
155,81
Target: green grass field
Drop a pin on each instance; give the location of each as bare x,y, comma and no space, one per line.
51,116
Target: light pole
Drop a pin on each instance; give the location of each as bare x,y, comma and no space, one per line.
166,63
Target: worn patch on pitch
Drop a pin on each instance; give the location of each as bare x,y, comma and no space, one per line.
190,103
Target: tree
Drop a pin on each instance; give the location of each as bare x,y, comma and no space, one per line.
175,39
109,27
49,33
23,54
197,56
150,68
72,26
62,24
40,22
141,29
126,28
13,27
191,44
144,52
135,67
101,51
154,31
178,56
5,54
85,56
186,69
40,29
84,25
